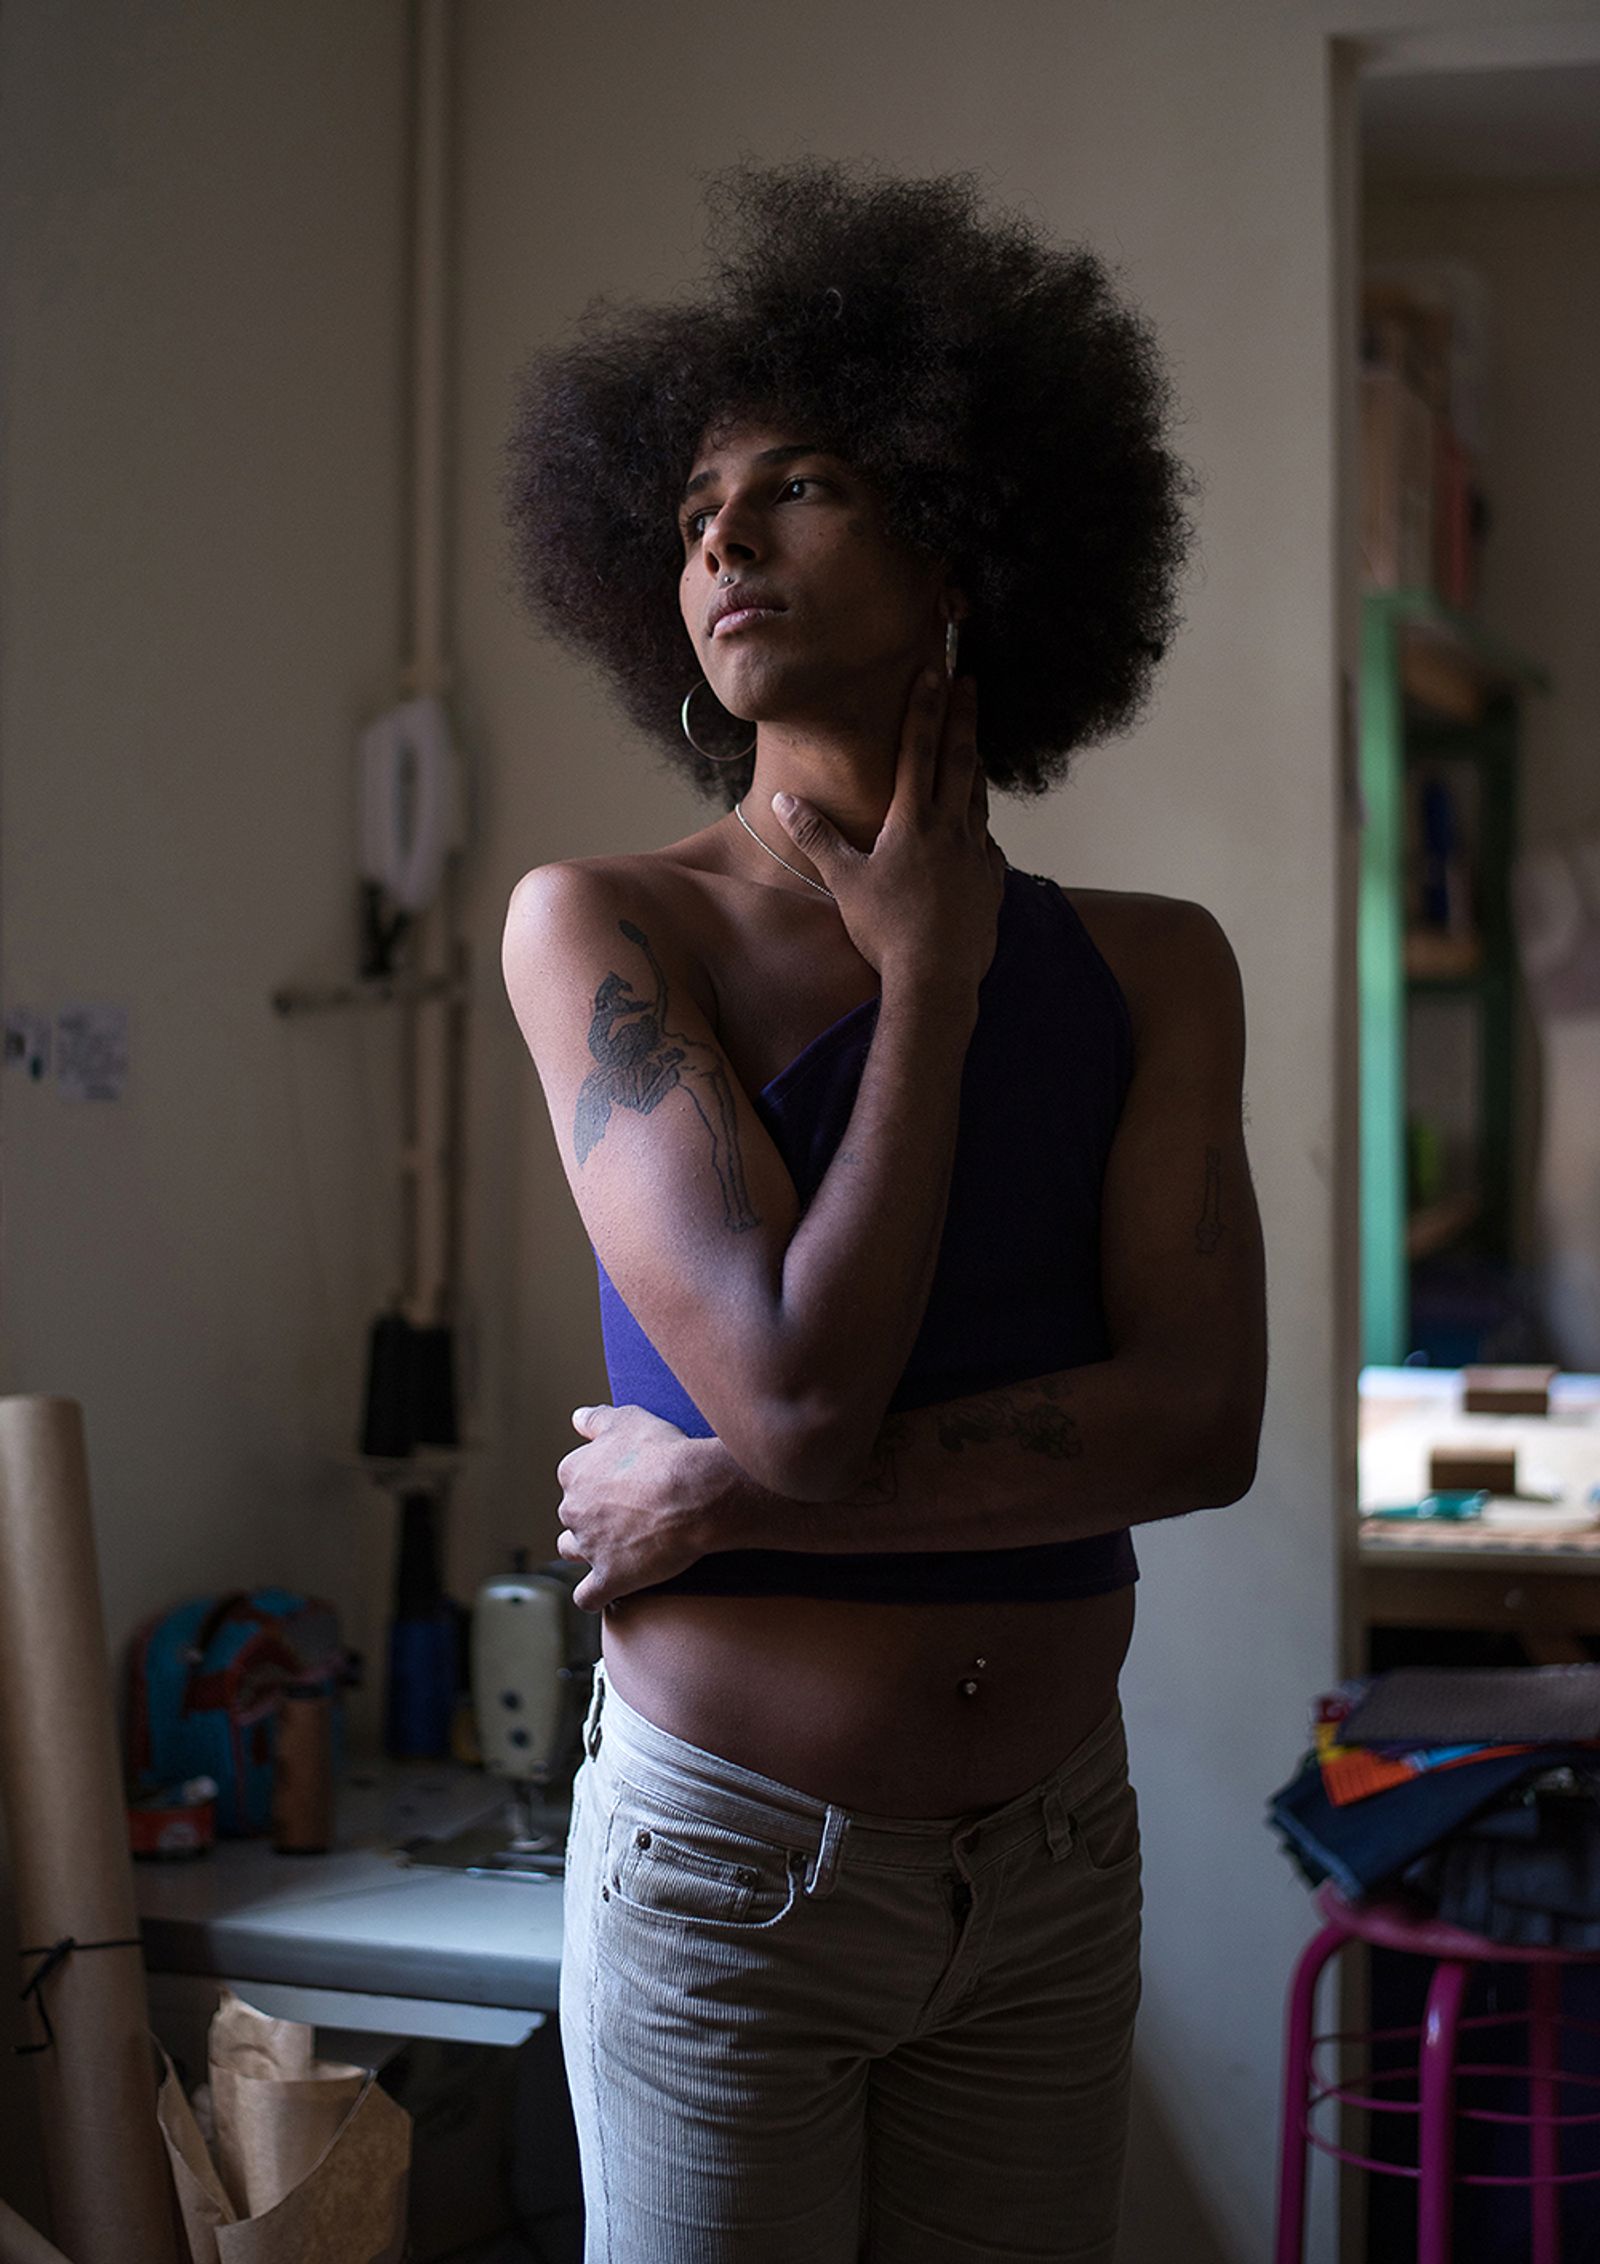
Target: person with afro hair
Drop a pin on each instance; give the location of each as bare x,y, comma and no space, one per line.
928,1257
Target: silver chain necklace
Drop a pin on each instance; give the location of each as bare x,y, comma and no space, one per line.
738,811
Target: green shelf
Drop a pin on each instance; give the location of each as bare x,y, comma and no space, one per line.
1397,728
1498,658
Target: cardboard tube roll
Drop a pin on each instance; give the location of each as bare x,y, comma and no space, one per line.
61,1787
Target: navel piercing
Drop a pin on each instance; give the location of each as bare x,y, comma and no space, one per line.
969,1684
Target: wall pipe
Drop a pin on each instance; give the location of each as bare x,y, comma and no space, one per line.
431,1235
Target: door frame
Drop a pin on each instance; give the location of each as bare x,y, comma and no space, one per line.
1351,54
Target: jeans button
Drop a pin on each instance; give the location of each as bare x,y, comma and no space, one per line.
641,1839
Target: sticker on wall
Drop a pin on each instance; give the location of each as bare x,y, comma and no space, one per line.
91,1052
28,1042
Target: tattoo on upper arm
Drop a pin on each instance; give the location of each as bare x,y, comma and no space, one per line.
639,1061
1032,1416
1208,1228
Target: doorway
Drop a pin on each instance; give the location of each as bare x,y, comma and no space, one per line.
1467,175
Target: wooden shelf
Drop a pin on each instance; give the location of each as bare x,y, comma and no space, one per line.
1432,956
1437,1225
1461,644
1436,674
1437,687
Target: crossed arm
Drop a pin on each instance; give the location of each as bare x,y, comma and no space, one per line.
1083,1451
1165,1425
1059,1458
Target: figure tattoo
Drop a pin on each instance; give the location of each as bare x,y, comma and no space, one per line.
1032,1415
639,1061
1208,1230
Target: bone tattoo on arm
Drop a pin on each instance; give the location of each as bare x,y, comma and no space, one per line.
1208,1227
639,1062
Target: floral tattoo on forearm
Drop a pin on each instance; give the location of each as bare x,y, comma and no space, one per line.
639,1061
1032,1416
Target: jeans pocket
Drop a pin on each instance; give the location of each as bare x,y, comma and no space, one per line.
671,1864
1106,1825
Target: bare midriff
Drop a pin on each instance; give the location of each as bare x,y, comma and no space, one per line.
857,1703
866,1704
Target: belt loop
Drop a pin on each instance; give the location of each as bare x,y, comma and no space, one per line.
824,1866
1058,1826
597,1699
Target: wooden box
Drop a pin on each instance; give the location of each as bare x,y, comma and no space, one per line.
1463,1469
1507,1391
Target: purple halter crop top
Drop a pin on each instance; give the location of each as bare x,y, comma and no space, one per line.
1016,1290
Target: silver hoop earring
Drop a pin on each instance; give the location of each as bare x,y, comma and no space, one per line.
705,752
952,637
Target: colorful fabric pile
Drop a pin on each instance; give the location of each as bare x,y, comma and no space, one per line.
1475,1791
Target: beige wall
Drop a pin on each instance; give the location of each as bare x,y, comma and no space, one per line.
1188,144
1192,145
198,597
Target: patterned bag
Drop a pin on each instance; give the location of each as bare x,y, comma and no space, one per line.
203,1687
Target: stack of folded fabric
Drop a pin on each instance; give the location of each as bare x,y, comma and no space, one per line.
1475,1791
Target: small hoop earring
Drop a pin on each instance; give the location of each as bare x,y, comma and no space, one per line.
705,752
952,637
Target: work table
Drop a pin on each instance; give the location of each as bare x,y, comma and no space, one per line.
1514,1567
362,1938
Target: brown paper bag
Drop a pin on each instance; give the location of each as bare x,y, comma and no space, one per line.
312,2156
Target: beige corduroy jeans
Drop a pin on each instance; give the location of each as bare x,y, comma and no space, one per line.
800,2035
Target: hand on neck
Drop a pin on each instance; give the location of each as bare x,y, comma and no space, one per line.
848,776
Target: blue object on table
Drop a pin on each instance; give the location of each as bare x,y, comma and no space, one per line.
420,1696
1453,1508
424,1642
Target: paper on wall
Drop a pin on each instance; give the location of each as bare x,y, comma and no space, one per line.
91,1046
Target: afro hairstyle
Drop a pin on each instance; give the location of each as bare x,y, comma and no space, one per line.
1006,405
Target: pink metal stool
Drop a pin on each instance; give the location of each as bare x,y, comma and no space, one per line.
1392,1924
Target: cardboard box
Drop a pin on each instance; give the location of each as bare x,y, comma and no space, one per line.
1507,1391
1463,1469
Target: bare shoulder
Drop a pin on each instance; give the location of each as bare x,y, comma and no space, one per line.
562,914
1170,955
569,897
561,897
672,879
